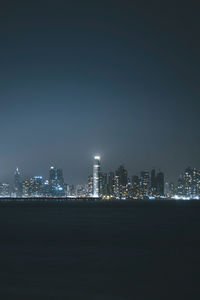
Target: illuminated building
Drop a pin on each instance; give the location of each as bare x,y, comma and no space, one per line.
33,187
96,177
123,176
56,182
80,190
52,175
136,186
144,183
37,186
18,185
90,186
172,190
60,179
189,183
111,176
153,183
103,184
72,191
116,187
4,190
160,184
46,189
127,192
26,188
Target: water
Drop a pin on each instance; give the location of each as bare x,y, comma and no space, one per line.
139,251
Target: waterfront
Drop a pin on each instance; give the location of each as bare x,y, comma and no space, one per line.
137,250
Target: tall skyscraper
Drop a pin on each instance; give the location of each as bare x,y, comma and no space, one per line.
90,186
122,174
18,185
96,177
116,187
144,183
136,186
60,178
56,181
160,184
189,183
111,176
4,190
52,175
153,179
103,184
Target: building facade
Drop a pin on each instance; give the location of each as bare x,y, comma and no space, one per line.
96,177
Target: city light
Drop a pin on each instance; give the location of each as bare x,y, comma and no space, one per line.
116,184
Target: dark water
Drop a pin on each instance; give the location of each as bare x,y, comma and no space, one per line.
85,252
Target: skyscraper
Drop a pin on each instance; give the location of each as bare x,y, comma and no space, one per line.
189,183
136,186
160,184
52,175
116,187
111,176
153,180
56,181
60,178
122,174
96,177
144,183
103,184
90,186
18,185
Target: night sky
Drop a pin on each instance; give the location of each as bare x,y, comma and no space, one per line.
116,78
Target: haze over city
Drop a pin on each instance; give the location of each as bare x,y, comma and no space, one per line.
115,78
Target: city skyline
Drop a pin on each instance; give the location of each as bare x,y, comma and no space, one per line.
115,184
116,77
26,173
99,149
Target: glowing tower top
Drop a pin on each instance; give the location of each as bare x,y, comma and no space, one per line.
96,176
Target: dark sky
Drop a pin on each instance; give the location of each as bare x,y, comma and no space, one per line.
116,78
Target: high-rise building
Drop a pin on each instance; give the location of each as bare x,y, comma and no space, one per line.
121,172
160,184
180,186
189,183
166,189
172,190
47,189
96,177
18,185
103,184
60,178
116,187
80,190
111,176
52,175
153,182
144,183
4,190
26,188
136,186
72,191
90,186
56,182
36,186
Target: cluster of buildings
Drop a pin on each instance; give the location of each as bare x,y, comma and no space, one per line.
116,185
37,186
188,185
119,185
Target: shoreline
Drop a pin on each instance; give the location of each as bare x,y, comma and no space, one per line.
114,203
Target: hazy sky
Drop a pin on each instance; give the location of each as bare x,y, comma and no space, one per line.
117,78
